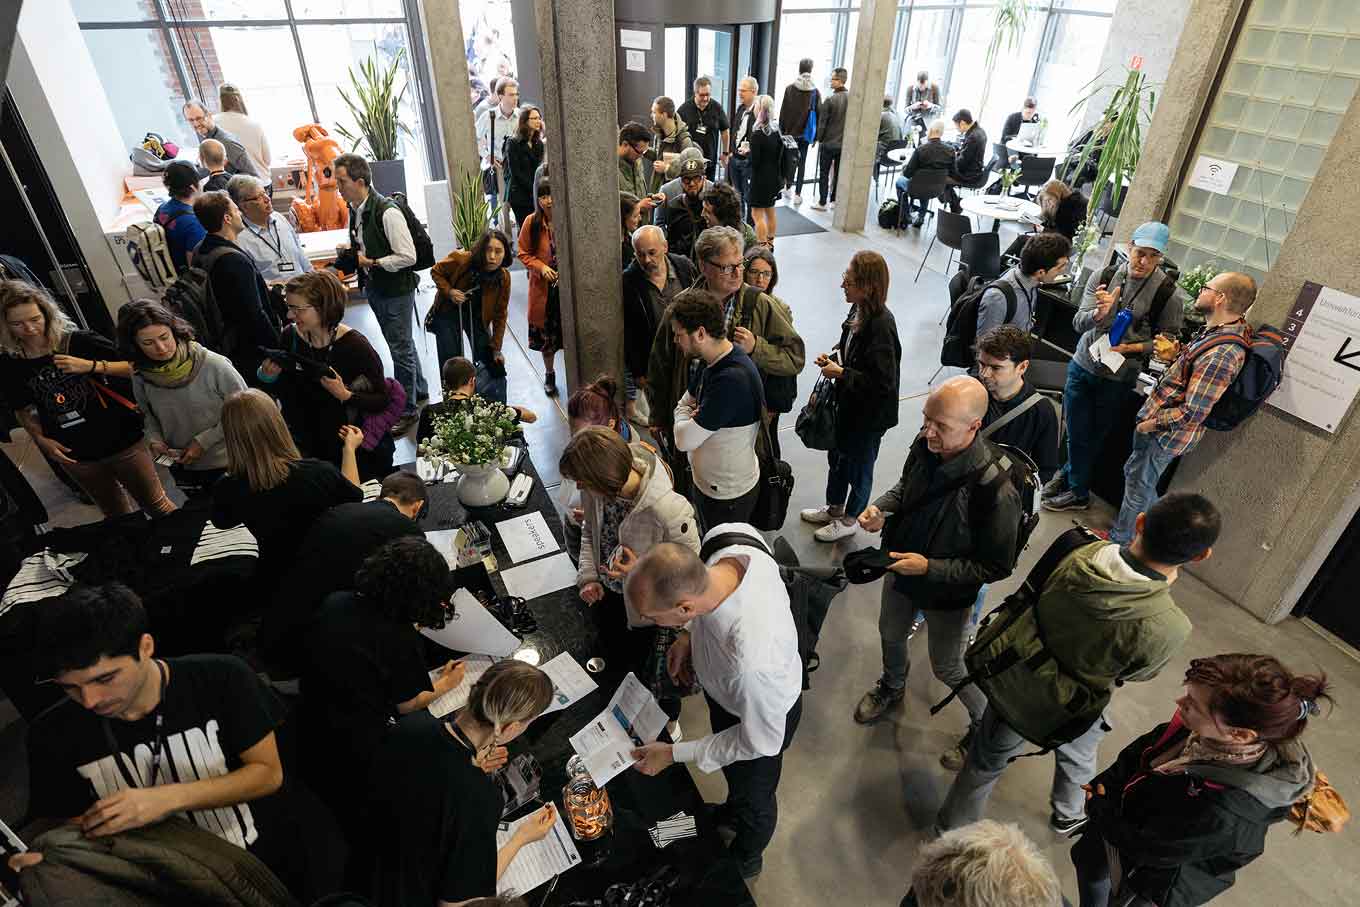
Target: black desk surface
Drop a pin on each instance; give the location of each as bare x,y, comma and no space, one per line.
708,877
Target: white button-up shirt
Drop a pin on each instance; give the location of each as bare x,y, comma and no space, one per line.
506,124
745,654
398,237
275,247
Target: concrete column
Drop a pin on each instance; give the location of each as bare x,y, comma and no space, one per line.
576,56
1150,29
448,65
868,79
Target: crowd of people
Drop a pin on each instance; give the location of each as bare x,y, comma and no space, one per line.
273,412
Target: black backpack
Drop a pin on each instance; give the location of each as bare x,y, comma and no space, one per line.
788,161
887,214
1257,380
811,590
419,235
960,331
190,296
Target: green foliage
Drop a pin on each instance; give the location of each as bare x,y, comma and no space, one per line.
376,108
1008,177
1192,281
471,213
472,435
1119,135
1008,30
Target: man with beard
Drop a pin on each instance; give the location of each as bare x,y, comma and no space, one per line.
650,284
238,160
685,212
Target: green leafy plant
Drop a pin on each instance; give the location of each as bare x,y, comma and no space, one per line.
471,213
1008,177
1192,281
1085,239
376,108
1118,137
1008,30
474,434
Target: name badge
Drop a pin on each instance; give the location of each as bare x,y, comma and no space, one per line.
70,419
287,266
702,130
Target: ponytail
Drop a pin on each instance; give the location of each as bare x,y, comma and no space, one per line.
1258,693
508,692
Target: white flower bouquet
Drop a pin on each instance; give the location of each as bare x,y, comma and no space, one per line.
473,434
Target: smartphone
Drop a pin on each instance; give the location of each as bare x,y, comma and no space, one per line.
834,356
166,460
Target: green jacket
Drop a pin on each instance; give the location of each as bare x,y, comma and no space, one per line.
1107,620
632,178
778,350
376,245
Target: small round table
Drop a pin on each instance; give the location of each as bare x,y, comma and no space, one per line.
899,155
1026,149
987,206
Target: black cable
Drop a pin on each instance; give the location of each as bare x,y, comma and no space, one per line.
177,18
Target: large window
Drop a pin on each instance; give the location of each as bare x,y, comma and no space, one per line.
1058,54
290,60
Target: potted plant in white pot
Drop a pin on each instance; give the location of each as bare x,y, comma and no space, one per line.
376,109
471,437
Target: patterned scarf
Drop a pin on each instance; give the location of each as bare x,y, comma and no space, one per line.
1197,749
177,371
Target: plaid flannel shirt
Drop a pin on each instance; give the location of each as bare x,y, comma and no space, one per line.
1181,401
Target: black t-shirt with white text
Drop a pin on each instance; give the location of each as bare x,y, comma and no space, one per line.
71,408
214,708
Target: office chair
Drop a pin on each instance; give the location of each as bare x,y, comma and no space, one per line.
1034,171
924,187
886,166
981,254
949,230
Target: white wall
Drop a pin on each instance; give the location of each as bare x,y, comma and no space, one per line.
62,103
1147,28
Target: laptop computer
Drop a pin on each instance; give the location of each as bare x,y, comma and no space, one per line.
1029,133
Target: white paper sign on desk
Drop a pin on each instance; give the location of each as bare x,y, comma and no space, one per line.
538,862
474,666
1102,352
548,574
571,683
473,629
631,719
527,537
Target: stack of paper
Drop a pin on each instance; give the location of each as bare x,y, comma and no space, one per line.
538,862
474,667
676,828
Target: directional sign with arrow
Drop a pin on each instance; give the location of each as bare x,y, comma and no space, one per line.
1322,371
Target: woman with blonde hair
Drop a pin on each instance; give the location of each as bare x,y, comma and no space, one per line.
70,390
434,800
270,487
767,174
336,379
235,119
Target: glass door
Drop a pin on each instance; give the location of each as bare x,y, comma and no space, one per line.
715,61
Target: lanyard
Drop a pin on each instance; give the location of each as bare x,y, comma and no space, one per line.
277,244
158,744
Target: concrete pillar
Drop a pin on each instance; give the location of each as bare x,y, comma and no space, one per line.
576,56
448,66
868,79
1150,29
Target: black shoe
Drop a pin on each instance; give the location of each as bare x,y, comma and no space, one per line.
1066,827
752,867
550,384
919,221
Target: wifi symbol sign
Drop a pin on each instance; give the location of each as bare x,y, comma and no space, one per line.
1215,170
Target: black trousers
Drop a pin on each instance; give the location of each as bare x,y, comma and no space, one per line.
713,512
802,167
828,158
752,807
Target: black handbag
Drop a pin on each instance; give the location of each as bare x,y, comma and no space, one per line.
816,424
776,485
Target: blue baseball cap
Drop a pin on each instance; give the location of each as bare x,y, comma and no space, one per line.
1152,235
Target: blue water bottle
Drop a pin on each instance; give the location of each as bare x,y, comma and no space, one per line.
1121,324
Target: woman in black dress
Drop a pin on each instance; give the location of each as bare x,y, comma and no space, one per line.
767,178
335,380
523,153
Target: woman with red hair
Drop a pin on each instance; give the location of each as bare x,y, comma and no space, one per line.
1188,804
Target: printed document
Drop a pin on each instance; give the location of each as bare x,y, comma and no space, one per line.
571,683
474,666
527,537
538,862
631,719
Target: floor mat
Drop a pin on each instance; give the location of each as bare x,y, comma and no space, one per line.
789,222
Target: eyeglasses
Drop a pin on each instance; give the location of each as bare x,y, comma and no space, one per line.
643,149
759,274
724,270
298,309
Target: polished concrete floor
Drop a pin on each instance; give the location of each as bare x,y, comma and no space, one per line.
855,802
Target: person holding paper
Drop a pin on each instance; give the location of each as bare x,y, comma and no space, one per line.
1092,395
433,807
742,646
365,665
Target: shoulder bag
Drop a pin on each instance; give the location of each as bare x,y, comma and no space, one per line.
775,483
816,424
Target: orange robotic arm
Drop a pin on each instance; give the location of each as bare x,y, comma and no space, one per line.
321,208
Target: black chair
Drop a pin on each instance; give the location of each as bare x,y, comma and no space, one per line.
924,186
1108,210
981,254
886,165
1035,171
949,230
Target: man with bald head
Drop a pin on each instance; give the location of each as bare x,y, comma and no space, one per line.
1171,422
213,156
949,525
650,283
741,645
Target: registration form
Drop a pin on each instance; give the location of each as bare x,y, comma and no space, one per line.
631,719
538,862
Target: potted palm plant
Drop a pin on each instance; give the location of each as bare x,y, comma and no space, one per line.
375,104
1008,30
471,213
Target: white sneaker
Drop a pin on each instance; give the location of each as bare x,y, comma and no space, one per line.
834,530
817,516
819,207
797,199
833,203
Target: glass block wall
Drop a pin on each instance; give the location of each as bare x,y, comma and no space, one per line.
1288,80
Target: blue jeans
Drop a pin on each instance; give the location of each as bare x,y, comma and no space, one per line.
1142,470
395,315
739,175
1090,404
904,204
993,746
851,473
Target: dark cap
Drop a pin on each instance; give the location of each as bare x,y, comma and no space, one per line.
694,166
866,565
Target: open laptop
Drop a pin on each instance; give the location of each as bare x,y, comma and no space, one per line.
1029,133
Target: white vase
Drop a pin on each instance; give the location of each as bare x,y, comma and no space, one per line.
482,486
